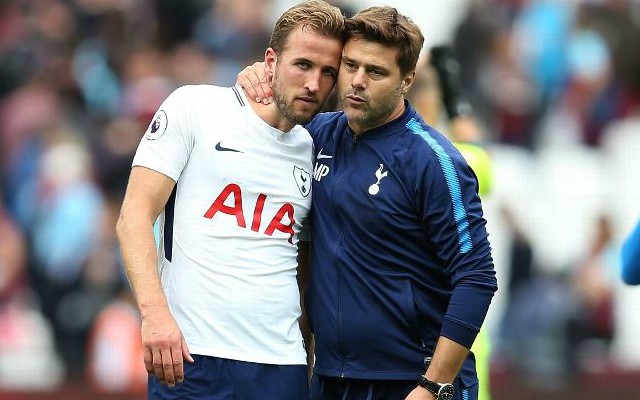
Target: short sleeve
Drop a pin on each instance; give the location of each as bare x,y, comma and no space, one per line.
167,142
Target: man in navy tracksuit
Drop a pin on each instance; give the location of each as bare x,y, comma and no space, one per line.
401,265
400,256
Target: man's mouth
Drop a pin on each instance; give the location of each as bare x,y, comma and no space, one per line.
355,99
307,99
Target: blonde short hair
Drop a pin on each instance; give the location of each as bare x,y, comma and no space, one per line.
318,15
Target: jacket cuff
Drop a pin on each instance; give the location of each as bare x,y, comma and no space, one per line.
459,333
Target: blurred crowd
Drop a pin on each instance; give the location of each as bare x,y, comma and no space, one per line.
80,80
556,86
571,64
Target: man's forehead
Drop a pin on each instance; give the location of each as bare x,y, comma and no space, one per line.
370,52
311,42
303,34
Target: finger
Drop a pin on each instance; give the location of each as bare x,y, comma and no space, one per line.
258,87
186,354
263,88
265,93
244,79
247,80
157,365
167,366
178,369
260,83
148,360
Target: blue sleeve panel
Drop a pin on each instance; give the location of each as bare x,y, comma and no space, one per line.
631,258
463,247
400,252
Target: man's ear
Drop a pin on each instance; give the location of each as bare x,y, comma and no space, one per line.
407,81
270,63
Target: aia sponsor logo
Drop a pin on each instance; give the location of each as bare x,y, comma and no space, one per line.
283,220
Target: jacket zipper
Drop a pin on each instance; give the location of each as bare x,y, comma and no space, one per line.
336,247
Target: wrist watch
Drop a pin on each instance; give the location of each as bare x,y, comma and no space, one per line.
442,391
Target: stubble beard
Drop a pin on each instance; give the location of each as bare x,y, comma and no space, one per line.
285,107
368,117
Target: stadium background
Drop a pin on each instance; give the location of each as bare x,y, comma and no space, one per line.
555,86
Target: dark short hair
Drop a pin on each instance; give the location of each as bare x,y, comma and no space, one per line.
318,15
385,25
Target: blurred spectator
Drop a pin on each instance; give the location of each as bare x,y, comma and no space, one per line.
115,356
13,258
525,283
591,328
540,36
538,326
234,28
99,86
113,153
472,43
24,333
500,92
235,31
511,96
112,323
521,256
590,98
25,114
67,206
189,64
146,84
176,19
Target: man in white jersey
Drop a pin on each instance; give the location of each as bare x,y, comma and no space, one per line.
230,180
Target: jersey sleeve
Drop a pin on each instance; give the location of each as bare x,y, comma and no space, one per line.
452,215
167,142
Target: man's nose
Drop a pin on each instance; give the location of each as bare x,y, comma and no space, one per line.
359,79
313,82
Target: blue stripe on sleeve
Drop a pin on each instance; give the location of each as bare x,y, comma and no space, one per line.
168,224
459,213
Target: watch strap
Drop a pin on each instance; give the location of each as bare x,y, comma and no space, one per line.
431,386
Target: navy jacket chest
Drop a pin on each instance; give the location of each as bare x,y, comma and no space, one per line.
362,179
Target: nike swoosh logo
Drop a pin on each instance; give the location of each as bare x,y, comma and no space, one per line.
320,156
220,148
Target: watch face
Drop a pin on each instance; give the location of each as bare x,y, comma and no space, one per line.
446,392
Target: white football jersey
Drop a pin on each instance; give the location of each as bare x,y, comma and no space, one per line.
228,243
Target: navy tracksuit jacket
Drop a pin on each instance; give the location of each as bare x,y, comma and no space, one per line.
400,252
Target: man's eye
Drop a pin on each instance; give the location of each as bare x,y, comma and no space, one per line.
303,65
329,72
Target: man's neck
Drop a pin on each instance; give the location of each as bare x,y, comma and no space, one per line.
270,114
